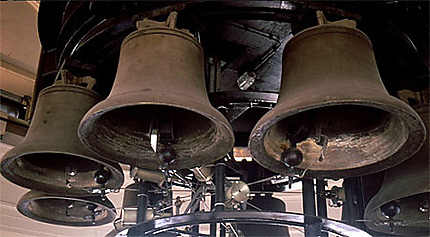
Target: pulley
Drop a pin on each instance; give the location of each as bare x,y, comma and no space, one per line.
69,211
158,113
401,206
334,117
51,158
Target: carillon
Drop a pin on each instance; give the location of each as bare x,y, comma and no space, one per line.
221,113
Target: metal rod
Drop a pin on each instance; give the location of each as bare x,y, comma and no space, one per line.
321,202
312,228
354,203
197,195
142,201
350,213
213,224
219,179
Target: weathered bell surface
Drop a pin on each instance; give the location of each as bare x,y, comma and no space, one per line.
401,206
158,110
69,211
51,158
266,203
333,107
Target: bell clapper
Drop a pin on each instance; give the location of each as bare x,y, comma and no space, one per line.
424,206
292,156
102,176
92,208
390,210
323,142
161,130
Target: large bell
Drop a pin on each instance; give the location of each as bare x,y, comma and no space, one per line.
266,203
51,158
334,117
158,103
69,211
401,206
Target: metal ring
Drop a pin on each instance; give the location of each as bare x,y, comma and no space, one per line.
157,226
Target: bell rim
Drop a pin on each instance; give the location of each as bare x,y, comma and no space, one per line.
371,213
116,102
161,30
392,105
375,202
13,155
36,195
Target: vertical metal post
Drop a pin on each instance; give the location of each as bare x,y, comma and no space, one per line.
312,226
170,197
354,203
219,179
321,202
195,228
213,225
142,201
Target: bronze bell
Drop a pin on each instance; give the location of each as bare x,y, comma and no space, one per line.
69,211
266,203
51,158
158,112
401,206
334,117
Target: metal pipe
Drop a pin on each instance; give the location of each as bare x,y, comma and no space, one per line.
321,202
196,195
354,203
213,224
312,227
142,201
218,205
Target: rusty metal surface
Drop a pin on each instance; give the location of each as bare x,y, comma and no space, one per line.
160,70
68,211
408,184
51,158
331,87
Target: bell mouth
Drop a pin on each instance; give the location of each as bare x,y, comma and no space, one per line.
190,134
413,212
67,211
59,173
356,135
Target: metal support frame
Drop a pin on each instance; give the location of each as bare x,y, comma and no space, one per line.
142,201
321,202
219,198
312,227
196,195
354,203
169,224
